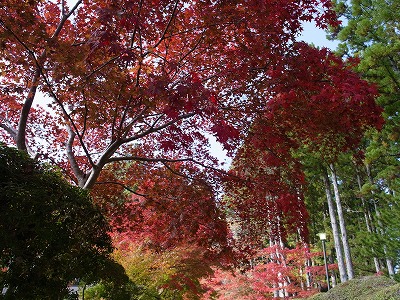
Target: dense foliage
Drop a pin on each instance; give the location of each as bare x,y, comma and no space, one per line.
276,272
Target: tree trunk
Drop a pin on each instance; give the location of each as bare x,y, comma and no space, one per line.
389,263
342,224
367,217
335,230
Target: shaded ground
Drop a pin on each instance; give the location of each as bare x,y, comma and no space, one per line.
365,288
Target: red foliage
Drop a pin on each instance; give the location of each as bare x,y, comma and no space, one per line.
315,101
146,81
323,103
169,209
151,73
277,271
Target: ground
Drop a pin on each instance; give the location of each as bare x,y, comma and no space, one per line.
364,288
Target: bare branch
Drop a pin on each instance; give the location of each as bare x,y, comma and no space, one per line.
154,129
67,117
136,27
96,168
73,8
193,48
163,36
175,172
21,132
138,116
102,66
23,120
164,161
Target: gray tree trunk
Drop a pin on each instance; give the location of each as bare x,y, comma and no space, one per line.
367,217
342,224
389,262
335,229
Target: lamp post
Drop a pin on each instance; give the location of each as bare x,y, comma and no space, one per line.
322,237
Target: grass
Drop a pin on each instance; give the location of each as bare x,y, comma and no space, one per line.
364,288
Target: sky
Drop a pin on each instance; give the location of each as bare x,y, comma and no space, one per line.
316,36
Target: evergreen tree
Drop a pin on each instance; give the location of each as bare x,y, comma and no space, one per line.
371,32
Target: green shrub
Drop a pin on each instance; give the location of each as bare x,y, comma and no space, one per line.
50,232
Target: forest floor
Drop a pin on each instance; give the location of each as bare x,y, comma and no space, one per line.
364,288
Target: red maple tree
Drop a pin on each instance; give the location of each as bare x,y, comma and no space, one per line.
146,81
135,80
317,103
167,208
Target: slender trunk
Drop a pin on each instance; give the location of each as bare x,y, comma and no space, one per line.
367,219
389,262
342,224
272,243
333,272
309,278
333,279
301,276
335,230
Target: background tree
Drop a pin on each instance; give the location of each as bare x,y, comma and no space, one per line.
50,232
371,32
313,112
277,272
167,228
167,209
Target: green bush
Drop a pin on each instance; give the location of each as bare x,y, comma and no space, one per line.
50,232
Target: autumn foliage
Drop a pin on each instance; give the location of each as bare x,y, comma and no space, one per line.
171,274
133,89
166,209
312,109
132,80
276,272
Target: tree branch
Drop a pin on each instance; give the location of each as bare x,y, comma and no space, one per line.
163,36
163,160
71,157
123,185
154,129
22,124
9,129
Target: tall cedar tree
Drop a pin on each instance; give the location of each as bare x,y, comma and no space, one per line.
372,33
